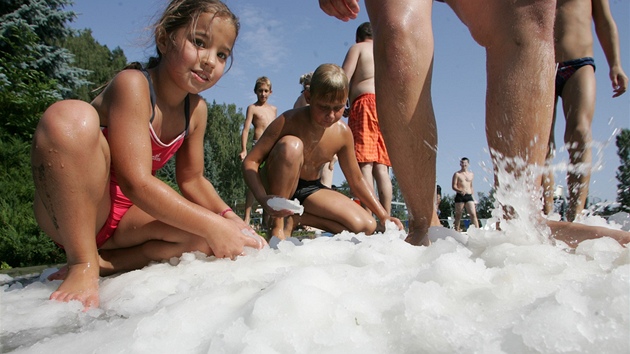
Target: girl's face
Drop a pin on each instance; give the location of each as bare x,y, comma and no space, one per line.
197,60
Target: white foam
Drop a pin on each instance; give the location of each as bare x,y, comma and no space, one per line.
373,295
278,203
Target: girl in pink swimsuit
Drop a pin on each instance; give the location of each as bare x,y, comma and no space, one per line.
94,164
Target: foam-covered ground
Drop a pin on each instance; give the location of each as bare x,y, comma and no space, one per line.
503,292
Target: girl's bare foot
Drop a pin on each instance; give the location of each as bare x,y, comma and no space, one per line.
80,283
60,274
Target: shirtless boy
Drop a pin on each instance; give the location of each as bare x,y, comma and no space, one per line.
368,140
294,148
575,84
463,187
260,114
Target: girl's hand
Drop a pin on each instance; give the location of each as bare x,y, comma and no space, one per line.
247,230
227,240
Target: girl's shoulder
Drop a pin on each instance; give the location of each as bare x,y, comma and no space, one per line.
128,81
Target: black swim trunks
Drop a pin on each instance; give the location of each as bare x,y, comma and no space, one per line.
463,198
306,188
566,69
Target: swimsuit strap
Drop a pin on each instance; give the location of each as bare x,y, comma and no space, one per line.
152,93
187,112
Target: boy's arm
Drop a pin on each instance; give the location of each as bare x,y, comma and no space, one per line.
257,155
249,117
608,36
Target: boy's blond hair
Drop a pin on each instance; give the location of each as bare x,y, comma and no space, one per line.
262,80
329,82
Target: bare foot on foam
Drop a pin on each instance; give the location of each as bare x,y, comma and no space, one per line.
60,274
418,238
81,284
574,233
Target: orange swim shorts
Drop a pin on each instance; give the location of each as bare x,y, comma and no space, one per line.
369,145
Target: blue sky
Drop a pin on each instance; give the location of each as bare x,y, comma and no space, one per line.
285,39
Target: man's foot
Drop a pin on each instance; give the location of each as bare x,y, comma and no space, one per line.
81,284
418,238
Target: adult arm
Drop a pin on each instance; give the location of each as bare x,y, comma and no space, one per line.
342,9
608,36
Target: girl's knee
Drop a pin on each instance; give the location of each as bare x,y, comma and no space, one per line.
69,120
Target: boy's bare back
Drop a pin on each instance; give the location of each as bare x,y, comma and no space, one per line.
359,66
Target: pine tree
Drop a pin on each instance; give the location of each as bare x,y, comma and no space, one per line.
35,28
623,172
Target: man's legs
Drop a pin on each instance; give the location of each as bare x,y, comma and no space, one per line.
472,213
406,114
384,186
548,178
518,37
578,101
459,208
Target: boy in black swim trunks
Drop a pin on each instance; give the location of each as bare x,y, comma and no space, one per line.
294,148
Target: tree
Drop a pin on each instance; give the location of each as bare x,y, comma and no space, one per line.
24,92
101,63
43,25
623,172
222,146
485,204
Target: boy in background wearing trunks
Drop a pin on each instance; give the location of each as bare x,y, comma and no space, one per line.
463,187
294,148
363,121
260,114
575,84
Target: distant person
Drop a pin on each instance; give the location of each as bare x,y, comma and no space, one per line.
464,191
438,199
328,169
305,81
294,148
260,114
96,194
575,84
518,39
368,140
